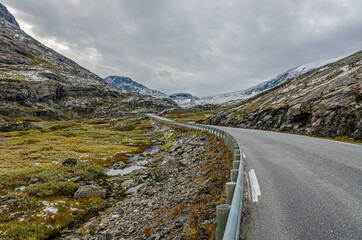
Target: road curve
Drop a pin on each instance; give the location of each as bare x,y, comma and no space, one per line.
310,188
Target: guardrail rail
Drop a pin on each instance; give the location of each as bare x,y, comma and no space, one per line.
228,215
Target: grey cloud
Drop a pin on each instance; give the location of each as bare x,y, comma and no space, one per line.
202,47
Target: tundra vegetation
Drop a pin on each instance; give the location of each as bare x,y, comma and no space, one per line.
37,190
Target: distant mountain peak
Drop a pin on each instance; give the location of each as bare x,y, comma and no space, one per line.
126,83
7,16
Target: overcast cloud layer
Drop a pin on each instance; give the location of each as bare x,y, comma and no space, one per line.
199,46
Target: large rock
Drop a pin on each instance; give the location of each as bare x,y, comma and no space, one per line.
89,191
68,161
19,126
137,189
128,184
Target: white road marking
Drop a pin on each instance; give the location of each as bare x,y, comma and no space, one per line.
255,190
244,155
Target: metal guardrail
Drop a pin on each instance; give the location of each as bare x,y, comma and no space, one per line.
230,231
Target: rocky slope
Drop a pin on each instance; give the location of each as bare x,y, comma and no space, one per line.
175,197
332,92
38,83
252,91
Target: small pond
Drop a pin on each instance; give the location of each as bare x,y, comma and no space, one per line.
115,172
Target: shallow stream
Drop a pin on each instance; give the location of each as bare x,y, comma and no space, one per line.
137,162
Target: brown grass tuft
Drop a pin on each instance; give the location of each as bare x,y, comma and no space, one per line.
157,222
146,231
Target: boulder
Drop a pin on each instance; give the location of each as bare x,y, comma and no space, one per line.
68,161
136,188
88,191
128,184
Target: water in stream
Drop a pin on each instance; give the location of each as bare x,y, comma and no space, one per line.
137,162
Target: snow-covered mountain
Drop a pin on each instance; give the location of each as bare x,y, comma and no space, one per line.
183,99
186,100
128,84
247,93
125,83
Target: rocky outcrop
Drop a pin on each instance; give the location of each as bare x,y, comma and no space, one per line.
88,191
331,94
19,126
8,17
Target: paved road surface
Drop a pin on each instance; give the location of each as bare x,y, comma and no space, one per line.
310,188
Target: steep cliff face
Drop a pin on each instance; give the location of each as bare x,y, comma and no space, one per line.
38,83
7,16
331,94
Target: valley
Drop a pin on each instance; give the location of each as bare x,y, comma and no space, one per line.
83,157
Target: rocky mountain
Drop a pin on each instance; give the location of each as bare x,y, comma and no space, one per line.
38,83
128,84
331,94
183,99
7,16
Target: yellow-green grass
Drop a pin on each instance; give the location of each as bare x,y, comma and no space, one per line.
30,151
189,116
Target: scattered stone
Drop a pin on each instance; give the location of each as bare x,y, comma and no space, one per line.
75,179
160,198
20,189
119,165
34,180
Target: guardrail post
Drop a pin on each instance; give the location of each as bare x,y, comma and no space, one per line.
234,175
235,152
229,189
222,214
236,164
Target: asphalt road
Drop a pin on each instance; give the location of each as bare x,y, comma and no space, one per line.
310,188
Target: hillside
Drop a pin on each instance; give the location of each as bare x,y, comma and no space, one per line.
332,93
38,83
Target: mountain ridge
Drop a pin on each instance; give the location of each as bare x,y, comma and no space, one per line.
187,100
7,16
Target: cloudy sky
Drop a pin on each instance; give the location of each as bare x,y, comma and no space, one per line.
199,46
